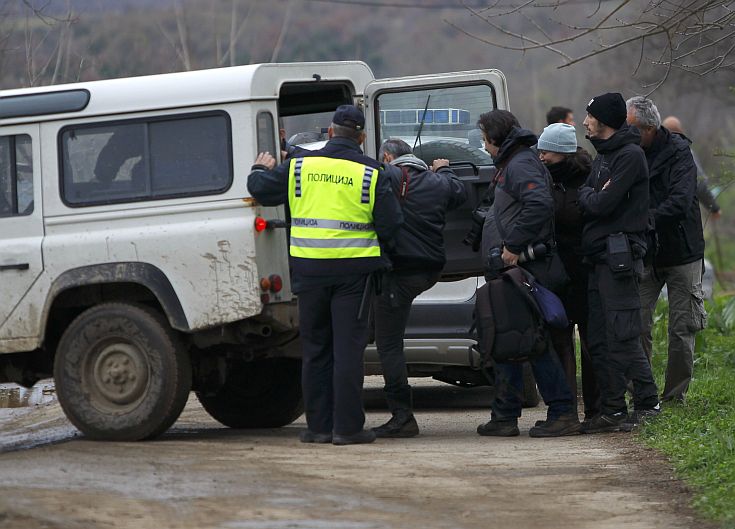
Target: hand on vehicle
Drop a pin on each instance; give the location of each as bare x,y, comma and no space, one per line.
509,257
439,163
265,159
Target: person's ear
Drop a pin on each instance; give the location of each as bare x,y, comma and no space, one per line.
361,139
330,132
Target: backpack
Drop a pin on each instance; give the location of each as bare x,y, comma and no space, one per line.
510,326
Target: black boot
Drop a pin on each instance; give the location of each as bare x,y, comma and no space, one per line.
508,428
402,424
564,425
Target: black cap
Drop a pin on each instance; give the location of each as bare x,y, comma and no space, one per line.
609,109
349,116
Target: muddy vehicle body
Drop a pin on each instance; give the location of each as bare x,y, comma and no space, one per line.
134,265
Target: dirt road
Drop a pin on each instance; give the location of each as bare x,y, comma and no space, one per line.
200,475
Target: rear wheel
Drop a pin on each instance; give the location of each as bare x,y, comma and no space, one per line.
261,394
121,373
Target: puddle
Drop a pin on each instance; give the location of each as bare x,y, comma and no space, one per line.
14,396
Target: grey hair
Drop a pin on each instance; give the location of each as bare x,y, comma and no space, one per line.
395,147
340,131
645,111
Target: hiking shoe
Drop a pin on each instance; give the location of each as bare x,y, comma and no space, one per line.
639,417
605,423
361,437
307,436
400,425
564,425
499,428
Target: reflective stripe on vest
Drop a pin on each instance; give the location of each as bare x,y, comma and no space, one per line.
331,202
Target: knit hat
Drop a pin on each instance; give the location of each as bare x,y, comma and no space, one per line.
558,137
609,109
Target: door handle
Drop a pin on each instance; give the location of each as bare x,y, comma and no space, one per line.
18,266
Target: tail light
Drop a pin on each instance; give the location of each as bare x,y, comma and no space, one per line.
276,283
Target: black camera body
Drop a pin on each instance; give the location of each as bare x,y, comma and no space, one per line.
474,236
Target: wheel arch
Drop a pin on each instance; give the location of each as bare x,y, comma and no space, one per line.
127,281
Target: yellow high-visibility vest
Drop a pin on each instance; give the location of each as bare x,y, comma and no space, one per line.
331,203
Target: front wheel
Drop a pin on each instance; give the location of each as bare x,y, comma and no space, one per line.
121,373
260,394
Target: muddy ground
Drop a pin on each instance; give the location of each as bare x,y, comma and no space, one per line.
201,475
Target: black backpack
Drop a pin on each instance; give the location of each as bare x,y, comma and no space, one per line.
510,327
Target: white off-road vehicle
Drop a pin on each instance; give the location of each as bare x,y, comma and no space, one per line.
135,267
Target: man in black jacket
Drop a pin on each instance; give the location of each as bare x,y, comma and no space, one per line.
417,254
521,216
614,202
343,213
678,261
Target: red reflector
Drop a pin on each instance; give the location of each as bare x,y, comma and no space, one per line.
265,284
276,282
260,224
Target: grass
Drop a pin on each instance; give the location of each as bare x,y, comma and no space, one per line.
699,436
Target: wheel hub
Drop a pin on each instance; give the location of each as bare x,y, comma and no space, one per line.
120,374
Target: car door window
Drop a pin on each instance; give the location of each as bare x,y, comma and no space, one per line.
437,122
16,176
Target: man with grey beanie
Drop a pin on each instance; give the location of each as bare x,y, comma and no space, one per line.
677,263
614,202
417,254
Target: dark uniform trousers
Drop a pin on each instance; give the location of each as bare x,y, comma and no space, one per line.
614,331
334,343
390,311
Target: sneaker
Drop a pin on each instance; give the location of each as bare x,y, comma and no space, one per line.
639,417
402,424
307,436
564,425
499,428
361,437
605,423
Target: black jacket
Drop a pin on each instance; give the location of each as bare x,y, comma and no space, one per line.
567,177
673,200
425,199
623,206
270,188
522,201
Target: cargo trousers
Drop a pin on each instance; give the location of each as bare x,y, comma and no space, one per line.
613,334
686,317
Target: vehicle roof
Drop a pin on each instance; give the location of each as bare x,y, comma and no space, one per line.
201,87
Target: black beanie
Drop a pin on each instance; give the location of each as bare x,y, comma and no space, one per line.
609,109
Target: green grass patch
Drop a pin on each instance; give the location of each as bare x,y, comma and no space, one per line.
699,436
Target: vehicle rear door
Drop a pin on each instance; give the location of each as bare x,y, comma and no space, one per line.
437,115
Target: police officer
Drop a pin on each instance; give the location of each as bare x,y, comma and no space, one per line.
614,202
342,211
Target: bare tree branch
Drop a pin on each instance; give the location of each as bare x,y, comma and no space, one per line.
670,33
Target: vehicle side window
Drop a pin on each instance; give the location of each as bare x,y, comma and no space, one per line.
16,176
438,122
153,159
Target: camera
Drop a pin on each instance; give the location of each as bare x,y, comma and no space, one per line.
494,264
474,236
533,252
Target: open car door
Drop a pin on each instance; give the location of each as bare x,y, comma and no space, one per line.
437,115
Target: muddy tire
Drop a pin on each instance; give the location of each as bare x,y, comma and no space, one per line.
452,151
260,394
121,373
531,397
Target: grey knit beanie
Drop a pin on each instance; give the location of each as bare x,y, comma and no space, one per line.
558,137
